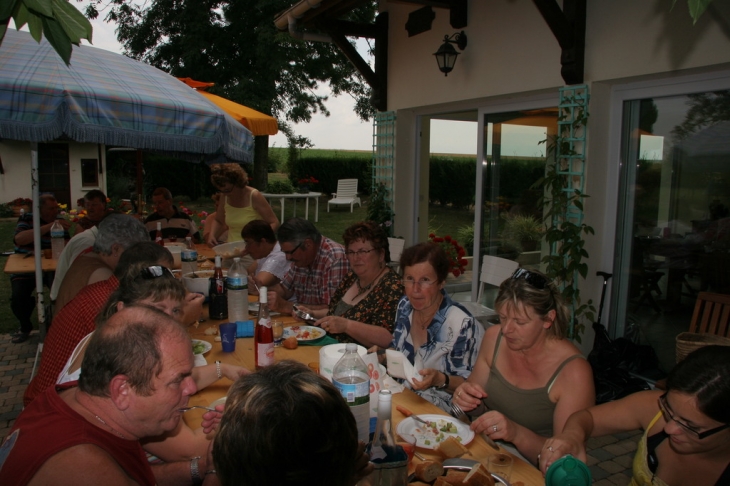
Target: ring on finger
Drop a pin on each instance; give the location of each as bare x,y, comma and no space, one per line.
550,448
494,428
458,394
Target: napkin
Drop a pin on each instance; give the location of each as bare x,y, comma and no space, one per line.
323,341
400,367
199,360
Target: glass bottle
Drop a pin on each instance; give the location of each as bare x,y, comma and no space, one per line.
264,335
217,296
383,448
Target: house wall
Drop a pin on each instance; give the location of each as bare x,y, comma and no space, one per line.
16,161
512,56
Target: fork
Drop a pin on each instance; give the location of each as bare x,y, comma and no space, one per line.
460,415
185,409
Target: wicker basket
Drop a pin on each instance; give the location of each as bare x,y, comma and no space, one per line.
690,341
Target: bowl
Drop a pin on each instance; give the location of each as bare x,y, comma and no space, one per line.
230,250
199,284
176,250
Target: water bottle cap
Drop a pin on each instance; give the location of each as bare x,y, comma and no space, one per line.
568,471
351,348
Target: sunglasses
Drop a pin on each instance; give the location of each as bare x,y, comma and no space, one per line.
533,279
669,417
291,252
156,271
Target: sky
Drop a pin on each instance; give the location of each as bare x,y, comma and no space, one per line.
343,130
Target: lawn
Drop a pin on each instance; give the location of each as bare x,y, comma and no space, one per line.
332,225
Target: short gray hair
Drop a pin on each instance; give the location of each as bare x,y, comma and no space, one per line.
297,230
119,229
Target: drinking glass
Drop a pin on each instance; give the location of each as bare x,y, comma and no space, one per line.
278,329
501,465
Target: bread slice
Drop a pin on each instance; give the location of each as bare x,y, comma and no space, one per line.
452,448
428,471
454,477
441,481
479,476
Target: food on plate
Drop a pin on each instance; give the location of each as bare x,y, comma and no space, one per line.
428,471
198,347
451,447
290,343
437,431
479,476
306,333
211,330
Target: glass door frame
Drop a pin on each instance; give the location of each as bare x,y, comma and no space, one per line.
624,111
535,102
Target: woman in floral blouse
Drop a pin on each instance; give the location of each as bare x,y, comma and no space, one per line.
362,310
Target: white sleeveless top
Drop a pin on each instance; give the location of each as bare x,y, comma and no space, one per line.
64,376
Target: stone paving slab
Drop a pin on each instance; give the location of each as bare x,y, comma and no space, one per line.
609,457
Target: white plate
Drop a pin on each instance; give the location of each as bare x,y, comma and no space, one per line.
304,333
206,346
410,426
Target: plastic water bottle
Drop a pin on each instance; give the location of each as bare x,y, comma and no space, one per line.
57,240
264,334
158,235
237,285
189,257
350,376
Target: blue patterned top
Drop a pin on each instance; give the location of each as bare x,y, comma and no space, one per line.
452,345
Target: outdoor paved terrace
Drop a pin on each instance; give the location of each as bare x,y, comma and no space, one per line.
609,457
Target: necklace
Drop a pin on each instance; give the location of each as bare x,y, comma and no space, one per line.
361,289
109,426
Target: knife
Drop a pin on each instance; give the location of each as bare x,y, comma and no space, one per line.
408,413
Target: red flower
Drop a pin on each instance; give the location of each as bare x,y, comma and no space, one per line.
454,253
447,238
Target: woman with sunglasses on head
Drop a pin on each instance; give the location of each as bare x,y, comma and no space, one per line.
528,375
686,438
239,203
437,335
362,309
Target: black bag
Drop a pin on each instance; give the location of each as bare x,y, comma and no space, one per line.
612,362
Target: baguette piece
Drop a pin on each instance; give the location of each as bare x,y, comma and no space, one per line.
418,483
452,448
479,476
454,477
428,471
441,481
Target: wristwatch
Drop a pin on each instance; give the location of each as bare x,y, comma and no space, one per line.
446,382
194,471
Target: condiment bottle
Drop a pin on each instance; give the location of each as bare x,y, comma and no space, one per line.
158,235
264,335
217,296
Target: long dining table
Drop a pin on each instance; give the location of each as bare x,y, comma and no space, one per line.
244,356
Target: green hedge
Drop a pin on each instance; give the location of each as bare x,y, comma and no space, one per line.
328,171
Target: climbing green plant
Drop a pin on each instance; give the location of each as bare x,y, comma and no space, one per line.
562,203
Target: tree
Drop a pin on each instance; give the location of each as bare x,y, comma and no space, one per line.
58,20
236,45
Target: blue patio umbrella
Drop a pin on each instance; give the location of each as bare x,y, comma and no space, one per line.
104,97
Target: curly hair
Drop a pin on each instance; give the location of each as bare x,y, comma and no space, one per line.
368,231
228,173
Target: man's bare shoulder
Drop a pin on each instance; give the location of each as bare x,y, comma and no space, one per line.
84,464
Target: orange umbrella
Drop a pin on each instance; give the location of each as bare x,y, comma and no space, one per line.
259,123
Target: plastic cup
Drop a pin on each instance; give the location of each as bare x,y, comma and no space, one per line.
568,471
501,465
244,329
278,330
228,336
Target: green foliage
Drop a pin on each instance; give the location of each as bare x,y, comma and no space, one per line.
280,187
181,198
565,262
452,181
696,7
329,170
6,210
379,210
465,234
60,22
521,232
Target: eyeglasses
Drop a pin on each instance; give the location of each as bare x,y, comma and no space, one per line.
533,279
424,282
156,271
291,252
360,253
669,416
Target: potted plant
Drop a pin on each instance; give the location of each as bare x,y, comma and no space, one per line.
522,232
305,184
454,251
21,203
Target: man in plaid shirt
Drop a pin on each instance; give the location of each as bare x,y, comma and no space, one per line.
318,266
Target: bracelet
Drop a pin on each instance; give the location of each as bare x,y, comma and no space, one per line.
218,369
446,382
194,471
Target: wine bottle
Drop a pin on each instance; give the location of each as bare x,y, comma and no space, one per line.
264,335
217,293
